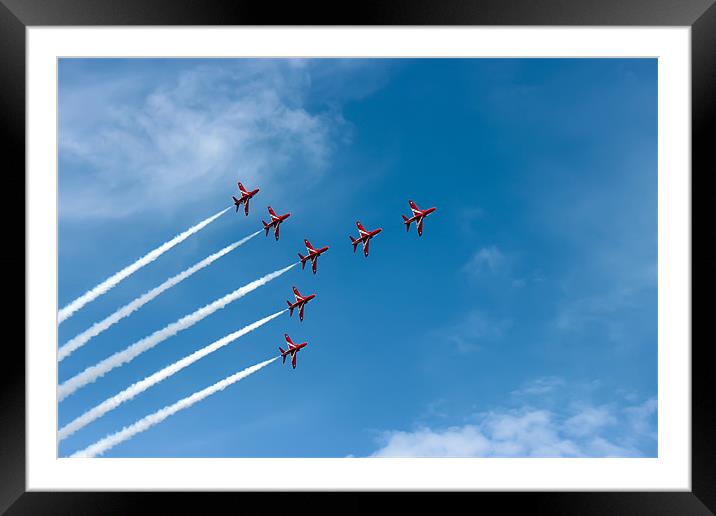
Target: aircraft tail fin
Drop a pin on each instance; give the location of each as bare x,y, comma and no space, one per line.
266,227
406,221
237,203
283,354
290,308
354,242
303,261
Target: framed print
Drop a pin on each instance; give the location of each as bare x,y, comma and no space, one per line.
221,295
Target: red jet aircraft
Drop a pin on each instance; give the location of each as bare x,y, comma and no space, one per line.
364,237
292,350
300,303
275,221
418,216
313,255
245,198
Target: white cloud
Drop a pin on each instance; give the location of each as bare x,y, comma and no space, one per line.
600,447
190,136
642,418
473,330
487,259
589,420
527,432
493,262
435,409
619,296
539,386
466,441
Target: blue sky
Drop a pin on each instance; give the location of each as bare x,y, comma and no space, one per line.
522,323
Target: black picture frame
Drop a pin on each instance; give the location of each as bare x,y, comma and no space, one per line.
17,15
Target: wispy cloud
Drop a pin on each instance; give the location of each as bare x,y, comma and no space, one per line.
529,432
475,329
642,418
539,386
608,306
436,409
589,420
189,135
465,441
485,260
492,262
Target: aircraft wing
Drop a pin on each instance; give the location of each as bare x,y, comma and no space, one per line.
414,207
276,230
420,226
273,213
300,312
297,294
361,229
293,361
366,243
246,206
308,245
313,264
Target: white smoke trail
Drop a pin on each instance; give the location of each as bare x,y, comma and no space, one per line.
122,357
112,281
153,379
98,327
160,415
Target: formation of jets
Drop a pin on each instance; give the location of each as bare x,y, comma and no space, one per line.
364,238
